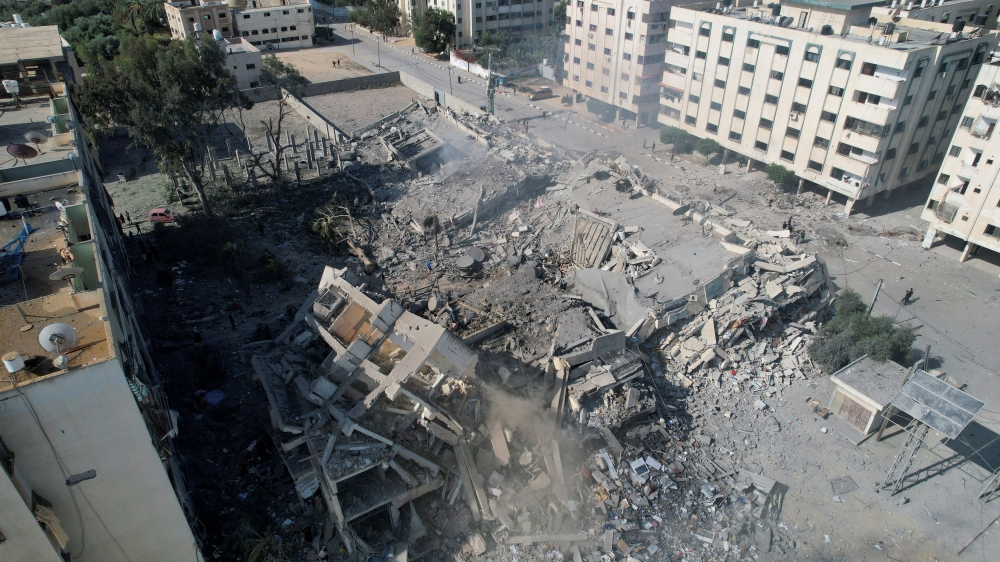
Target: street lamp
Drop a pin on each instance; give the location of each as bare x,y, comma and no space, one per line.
451,88
352,41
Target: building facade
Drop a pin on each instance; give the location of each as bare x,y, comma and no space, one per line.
244,60
849,100
615,52
473,18
965,199
208,14
975,12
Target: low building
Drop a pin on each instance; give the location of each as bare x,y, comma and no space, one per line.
244,60
965,200
87,466
862,392
208,15
36,57
849,99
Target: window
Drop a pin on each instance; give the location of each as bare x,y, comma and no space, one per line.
593,7
284,12
785,155
812,56
827,116
753,44
720,83
932,95
781,50
734,136
864,97
748,67
890,154
628,37
225,29
837,173
606,72
950,91
798,107
300,11
712,128
691,120
251,66
743,90
576,77
980,91
588,84
941,115
907,100
611,11
766,123
700,55
576,60
805,83
267,14
844,63
835,91
578,22
992,231
760,145
715,105
773,100
815,166
792,133
590,66
607,51
693,98
609,31
254,32
922,166
576,42
491,18
723,61
967,122
920,70
868,69
206,17
914,148
246,33
938,157
627,56
697,76
844,149
777,75
727,36
604,89
222,15
821,142
955,151
291,28
625,77
899,127
593,27
739,113
705,31
923,121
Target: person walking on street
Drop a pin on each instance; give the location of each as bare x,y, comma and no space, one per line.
653,149
906,296
644,143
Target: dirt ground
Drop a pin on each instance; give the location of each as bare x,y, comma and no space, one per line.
351,110
316,64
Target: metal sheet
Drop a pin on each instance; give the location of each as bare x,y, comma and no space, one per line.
937,404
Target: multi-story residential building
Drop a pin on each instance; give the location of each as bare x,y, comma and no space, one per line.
965,199
850,100
87,467
473,18
615,52
210,15
267,24
974,12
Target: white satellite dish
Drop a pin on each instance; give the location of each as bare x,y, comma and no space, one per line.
57,337
69,125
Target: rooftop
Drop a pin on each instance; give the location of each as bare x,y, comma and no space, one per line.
32,116
841,4
30,43
239,45
878,381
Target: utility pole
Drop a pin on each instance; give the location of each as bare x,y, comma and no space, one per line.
878,288
353,52
378,48
451,89
491,85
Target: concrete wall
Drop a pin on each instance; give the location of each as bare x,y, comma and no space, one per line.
37,177
91,417
315,118
26,541
351,84
426,90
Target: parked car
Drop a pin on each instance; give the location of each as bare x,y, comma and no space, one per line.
163,214
541,94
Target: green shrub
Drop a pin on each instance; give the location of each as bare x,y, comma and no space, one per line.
678,138
708,147
779,174
852,334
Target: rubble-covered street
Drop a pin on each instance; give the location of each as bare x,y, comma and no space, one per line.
449,343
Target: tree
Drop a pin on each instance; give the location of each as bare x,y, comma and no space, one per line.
381,16
708,147
678,138
779,174
168,97
852,334
291,84
559,14
599,108
433,30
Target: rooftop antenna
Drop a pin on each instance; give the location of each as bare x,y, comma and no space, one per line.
22,151
67,274
57,338
35,137
13,88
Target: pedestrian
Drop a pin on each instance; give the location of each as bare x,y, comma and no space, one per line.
644,143
429,266
715,188
907,295
128,217
138,229
784,226
260,228
459,79
652,150
121,218
800,237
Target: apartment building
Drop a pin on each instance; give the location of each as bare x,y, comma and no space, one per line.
210,15
87,466
975,12
244,60
965,199
615,53
516,18
850,100
266,24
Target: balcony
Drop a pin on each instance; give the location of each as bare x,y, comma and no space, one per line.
676,59
983,128
968,171
680,36
674,81
881,85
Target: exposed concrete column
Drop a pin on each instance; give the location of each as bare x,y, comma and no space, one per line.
802,184
849,206
829,194
749,165
870,200
969,248
886,194
929,238
725,156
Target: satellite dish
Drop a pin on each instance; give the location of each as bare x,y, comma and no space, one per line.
21,151
51,118
57,337
66,273
35,137
69,125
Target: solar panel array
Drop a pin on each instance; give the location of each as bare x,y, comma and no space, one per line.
937,404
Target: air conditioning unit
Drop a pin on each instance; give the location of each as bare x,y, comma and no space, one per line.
794,116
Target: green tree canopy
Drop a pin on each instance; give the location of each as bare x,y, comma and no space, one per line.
168,97
779,174
274,72
681,140
852,334
559,15
434,30
708,146
381,16
599,108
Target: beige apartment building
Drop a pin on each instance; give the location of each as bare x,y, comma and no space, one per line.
615,54
208,14
516,18
965,199
852,101
975,12
244,60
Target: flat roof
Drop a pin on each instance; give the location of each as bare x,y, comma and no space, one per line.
29,43
842,4
32,115
877,381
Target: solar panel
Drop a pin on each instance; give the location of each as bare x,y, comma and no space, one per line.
936,403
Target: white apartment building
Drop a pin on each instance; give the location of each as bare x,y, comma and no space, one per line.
851,101
965,199
244,60
976,12
209,14
615,53
516,18
266,24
